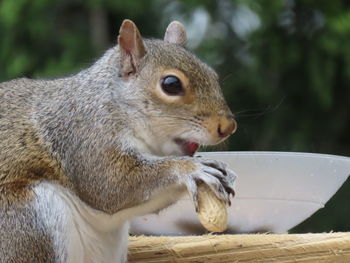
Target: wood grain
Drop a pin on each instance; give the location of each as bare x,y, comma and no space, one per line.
327,247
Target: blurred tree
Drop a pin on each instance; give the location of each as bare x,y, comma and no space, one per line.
284,64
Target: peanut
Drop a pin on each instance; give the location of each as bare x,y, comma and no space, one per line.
212,212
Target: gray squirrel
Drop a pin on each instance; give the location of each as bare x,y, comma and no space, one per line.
82,155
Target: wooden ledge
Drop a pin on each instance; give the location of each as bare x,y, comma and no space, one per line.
328,247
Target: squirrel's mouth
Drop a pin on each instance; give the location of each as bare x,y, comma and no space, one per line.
187,147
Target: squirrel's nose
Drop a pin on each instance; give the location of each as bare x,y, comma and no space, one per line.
226,126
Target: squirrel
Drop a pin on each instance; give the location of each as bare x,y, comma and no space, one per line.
82,155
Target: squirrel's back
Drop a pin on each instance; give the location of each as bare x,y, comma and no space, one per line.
23,157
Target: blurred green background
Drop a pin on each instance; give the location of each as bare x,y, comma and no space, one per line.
284,64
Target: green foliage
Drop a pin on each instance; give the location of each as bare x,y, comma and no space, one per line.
286,75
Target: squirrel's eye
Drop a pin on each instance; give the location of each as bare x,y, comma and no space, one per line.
171,85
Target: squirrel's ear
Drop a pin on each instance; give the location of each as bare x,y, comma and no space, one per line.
131,48
175,33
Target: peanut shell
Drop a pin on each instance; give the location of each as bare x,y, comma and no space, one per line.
212,212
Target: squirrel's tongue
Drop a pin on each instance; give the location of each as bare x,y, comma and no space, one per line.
191,147
188,147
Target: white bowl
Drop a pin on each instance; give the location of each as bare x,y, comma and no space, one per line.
275,192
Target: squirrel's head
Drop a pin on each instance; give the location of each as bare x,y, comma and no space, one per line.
178,99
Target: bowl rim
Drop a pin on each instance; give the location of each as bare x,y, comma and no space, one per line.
280,153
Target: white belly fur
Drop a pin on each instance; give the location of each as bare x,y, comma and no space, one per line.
83,234
86,235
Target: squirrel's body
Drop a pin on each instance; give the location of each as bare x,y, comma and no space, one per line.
80,156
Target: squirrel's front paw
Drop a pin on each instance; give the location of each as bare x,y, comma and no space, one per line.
215,174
